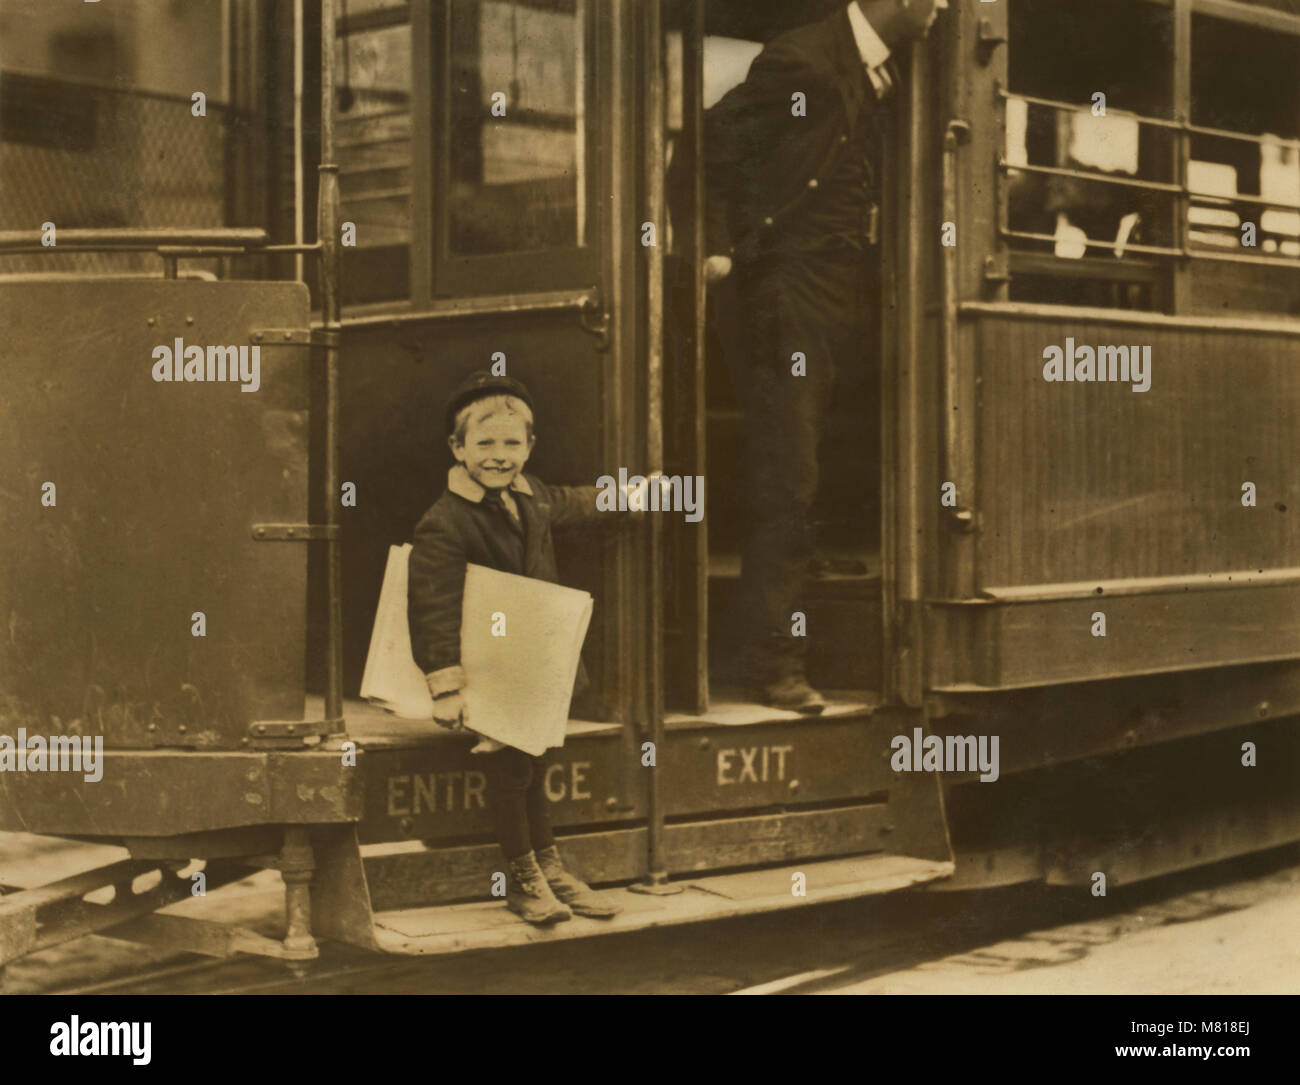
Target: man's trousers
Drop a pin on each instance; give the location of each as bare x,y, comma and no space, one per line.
800,313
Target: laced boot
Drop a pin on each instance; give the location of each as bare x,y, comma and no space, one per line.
574,892
528,895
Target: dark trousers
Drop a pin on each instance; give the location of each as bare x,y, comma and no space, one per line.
816,306
519,806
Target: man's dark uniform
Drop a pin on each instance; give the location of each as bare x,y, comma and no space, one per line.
793,200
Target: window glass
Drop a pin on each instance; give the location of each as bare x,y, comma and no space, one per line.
1265,108
1073,213
518,154
373,132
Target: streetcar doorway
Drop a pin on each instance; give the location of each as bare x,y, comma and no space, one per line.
712,419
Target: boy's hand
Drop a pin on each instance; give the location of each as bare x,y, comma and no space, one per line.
449,711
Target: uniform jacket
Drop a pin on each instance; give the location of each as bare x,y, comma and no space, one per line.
761,161
460,528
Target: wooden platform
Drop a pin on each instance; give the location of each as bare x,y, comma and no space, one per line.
487,925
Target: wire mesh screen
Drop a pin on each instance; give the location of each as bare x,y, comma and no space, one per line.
83,156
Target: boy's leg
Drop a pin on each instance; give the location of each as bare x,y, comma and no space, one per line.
509,773
537,807
511,779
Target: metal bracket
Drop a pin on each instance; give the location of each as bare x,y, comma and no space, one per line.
290,733
988,39
594,320
962,520
281,336
992,274
295,532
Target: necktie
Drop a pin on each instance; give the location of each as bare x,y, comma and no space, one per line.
881,80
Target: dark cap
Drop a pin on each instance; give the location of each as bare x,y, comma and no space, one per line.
480,385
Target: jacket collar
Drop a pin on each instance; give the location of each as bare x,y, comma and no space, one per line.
460,483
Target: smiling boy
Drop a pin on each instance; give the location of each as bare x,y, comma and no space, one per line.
494,515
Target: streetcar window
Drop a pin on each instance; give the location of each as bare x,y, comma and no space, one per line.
518,149
1244,166
1076,115
373,65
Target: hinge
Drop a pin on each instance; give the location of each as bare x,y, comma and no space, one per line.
295,532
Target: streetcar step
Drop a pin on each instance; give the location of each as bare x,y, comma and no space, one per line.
486,925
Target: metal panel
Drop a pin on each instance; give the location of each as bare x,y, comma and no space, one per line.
157,484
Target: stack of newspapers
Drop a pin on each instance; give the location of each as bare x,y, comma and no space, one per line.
520,640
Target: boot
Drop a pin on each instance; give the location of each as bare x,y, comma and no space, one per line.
528,895
793,693
575,893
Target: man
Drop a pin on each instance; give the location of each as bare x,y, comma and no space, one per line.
792,177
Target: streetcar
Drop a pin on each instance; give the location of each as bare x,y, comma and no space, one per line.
1102,576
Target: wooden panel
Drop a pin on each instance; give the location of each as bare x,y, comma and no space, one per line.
1092,480
1033,643
401,879
438,790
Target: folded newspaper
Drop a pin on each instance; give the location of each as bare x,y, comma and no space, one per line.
520,640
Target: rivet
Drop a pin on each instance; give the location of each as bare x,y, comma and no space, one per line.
611,803
189,320
181,728
150,322
261,728
1263,708
794,785
153,727
288,336
704,744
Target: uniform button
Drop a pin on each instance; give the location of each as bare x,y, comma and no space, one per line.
812,182
767,221
843,138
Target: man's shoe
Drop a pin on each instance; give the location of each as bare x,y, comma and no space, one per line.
528,895
794,694
572,891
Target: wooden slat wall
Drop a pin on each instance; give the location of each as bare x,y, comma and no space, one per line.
1092,480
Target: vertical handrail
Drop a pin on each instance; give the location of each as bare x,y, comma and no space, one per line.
652,87
327,237
693,127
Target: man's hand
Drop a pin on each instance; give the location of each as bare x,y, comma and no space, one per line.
449,711
716,268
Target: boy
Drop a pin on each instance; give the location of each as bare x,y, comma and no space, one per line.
494,515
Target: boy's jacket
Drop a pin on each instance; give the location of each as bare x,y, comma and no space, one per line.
459,528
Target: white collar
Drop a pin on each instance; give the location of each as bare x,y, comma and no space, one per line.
871,48
461,484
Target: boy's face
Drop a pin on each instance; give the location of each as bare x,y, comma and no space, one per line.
495,449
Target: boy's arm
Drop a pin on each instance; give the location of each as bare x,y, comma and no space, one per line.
434,591
575,504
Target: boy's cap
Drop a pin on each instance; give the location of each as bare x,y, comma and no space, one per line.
480,385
